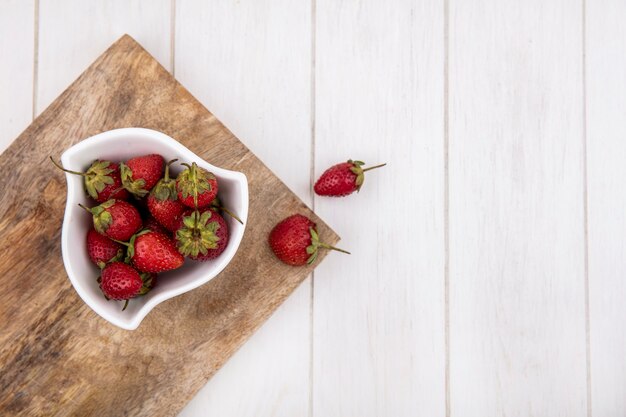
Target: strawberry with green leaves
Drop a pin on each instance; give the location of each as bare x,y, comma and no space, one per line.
153,252
342,179
116,219
163,202
102,250
120,281
202,234
102,180
196,186
140,174
295,241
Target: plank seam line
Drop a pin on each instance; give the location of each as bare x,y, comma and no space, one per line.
173,37
35,60
586,208
446,200
312,92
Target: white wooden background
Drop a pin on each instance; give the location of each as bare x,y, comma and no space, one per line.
488,275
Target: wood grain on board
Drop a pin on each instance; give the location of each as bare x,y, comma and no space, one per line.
57,356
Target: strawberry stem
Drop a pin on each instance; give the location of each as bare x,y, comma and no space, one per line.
167,169
230,213
121,243
375,166
324,245
86,208
125,305
82,174
194,179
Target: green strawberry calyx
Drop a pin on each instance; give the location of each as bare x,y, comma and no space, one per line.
130,251
97,177
165,189
197,235
149,281
133,186
102,219
358,170
194,181
118,257
312,249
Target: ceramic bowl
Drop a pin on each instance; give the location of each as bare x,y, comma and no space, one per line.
119,145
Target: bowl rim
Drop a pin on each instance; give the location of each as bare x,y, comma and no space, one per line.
133,320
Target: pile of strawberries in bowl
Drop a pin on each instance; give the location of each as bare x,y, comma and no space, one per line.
145,222
113,148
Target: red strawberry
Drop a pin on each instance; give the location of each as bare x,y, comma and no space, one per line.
142,173
153,252
102,180
102,250
196,186
167,212
119,281
163,202
202,235
152,224
115,219
295,241
342,179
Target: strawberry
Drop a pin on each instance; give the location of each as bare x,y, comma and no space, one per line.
153,252
102,250
342,179
102,180
166,212
142,173
163,201
295,241
196,186
119,281
202,235
152,224
115,219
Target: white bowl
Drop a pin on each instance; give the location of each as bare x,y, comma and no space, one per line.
119,145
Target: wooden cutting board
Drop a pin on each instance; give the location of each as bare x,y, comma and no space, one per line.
57,357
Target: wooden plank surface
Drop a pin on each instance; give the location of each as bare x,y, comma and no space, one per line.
56,355
606,156
73,33
512,68
517,243
379,314
17,31
249,62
